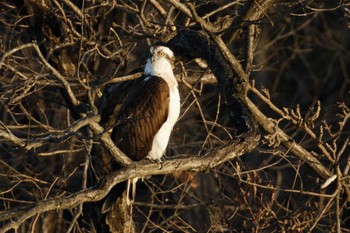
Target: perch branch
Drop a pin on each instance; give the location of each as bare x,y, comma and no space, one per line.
140,169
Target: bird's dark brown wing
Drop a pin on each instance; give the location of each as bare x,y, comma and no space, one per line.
141,115
112,100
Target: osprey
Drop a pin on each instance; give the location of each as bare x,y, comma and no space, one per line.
142,114
150,111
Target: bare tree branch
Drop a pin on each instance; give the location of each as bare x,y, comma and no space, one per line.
140,169
288,143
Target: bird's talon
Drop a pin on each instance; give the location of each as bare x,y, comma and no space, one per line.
161,162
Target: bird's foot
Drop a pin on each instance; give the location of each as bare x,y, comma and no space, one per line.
159,161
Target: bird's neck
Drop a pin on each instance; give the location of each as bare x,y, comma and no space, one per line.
163,69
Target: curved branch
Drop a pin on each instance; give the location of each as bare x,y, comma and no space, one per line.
91,121
140,169
106,140
288,142
223,72
58,137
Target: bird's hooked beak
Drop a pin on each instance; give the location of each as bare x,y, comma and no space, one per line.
172,62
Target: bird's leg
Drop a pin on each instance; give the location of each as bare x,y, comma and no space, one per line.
128,202
134,181
131,182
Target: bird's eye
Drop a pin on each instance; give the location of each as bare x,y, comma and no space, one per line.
161,53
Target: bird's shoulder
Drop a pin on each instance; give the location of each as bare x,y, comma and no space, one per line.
152,92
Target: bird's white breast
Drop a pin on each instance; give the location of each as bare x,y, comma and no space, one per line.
161,139
162,67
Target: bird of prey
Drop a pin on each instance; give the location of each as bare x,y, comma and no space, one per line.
146,113
149,113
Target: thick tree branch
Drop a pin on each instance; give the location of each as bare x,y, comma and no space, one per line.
257,10
141,169
288,142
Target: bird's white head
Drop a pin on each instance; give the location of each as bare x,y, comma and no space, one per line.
160,63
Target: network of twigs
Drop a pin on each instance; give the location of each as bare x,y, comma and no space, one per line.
290,65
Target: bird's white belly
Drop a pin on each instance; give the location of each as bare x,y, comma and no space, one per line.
161,139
